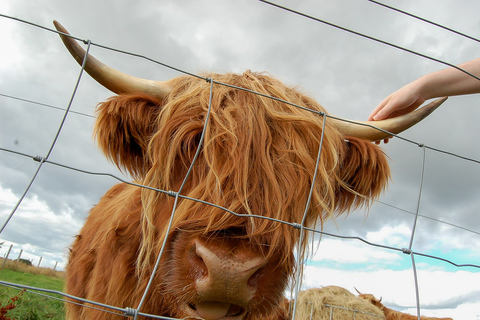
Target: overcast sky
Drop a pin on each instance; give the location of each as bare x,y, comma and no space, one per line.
349,75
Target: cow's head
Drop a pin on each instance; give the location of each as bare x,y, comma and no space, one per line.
256,164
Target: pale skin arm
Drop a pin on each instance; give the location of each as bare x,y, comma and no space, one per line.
446,82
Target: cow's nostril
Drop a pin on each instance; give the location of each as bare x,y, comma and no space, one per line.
226,275
235,311
255,277
197,264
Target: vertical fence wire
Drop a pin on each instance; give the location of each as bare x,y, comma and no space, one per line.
419,198
177,195
414,229
303,236
42,160
415,279
200,143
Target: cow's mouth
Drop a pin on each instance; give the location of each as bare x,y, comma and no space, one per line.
214,310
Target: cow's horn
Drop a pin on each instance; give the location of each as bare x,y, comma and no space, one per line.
110,78
368,129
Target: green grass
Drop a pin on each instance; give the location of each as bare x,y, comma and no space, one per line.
31,306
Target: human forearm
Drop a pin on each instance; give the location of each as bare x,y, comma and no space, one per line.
446,82
451,81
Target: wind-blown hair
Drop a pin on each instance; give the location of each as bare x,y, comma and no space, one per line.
258,157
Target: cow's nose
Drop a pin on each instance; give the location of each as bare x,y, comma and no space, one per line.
230,271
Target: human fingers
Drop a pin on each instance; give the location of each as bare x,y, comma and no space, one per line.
380,106
398,105
387,109
386,140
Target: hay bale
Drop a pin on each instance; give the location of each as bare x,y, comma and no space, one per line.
25,262
312,303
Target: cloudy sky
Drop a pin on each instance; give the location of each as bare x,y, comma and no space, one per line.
349,75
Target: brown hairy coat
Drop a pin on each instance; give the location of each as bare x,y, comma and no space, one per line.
393,314
258,157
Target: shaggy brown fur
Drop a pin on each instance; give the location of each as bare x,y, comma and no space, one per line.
258,157
392,314
311,304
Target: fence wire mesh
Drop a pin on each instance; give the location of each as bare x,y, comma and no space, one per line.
135,311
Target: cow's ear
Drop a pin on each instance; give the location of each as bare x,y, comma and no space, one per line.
364,174
123,129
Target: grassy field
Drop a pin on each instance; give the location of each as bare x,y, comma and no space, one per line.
30,306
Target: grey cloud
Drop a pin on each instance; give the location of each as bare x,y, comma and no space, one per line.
347,74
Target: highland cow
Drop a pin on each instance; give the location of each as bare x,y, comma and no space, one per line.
257,157
391,314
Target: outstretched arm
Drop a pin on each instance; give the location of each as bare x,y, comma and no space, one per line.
447,82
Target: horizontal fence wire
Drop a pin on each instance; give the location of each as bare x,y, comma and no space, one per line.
172,193
369,37
354,312
177,194
46,105
57,134
426,20
90,304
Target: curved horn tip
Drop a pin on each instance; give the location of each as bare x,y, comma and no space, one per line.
114,80
443,99
369,129
436,103
59,27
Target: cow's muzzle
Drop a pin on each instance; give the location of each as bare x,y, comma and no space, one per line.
225,279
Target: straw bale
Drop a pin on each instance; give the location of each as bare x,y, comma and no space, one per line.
312,305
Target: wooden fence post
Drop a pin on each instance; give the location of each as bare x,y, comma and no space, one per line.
6,258
18,259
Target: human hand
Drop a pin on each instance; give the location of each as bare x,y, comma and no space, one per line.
401,102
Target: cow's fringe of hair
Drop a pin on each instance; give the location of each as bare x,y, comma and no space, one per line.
254,149
258,157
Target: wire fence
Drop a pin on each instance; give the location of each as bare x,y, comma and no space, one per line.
27,259
135,311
